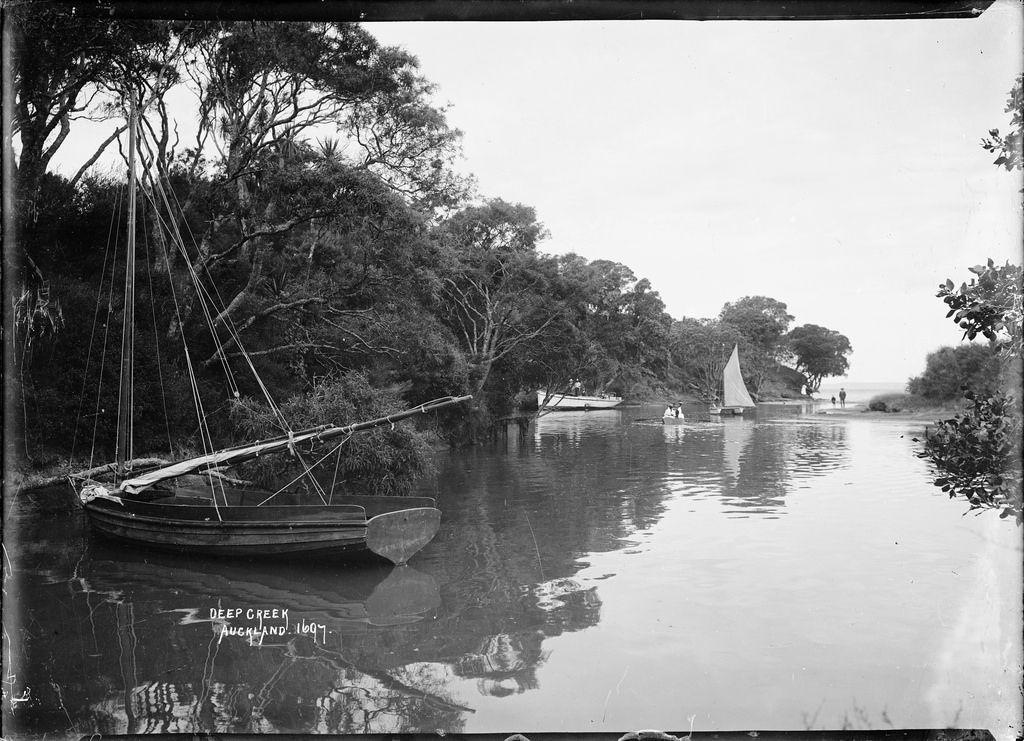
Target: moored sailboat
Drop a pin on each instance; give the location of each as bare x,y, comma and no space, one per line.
735,397
172,508
193,505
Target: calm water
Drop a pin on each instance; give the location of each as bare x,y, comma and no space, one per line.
788,571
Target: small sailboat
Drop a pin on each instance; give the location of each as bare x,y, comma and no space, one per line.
193,506
735,397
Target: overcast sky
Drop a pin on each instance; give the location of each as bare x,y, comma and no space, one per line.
834,166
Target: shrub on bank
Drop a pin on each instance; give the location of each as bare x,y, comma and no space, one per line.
888,402
902,403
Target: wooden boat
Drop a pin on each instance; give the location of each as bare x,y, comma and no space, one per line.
567,401
673,420
735,397
153,510
151,507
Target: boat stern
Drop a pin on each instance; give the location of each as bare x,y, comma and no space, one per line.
399,535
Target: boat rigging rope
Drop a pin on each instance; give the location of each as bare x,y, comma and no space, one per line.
337,465
156,342
204,430
206,302
170,227
309,471
112,234
306,469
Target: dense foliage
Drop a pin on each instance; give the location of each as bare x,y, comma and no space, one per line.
949,369
763,322
819,352
990,305
977,453
385,460
317,232
1009,148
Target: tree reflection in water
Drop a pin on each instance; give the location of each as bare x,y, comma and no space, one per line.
153,659
136,649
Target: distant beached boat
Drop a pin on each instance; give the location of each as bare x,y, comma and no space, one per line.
735,398
566,402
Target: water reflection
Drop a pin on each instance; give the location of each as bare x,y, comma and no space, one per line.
188,645
749,462
154,643
577,526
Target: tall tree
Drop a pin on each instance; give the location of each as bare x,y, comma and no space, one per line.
407,142
264,89
624,320
819,352
701,348
489,282
763,322
66,67
298,237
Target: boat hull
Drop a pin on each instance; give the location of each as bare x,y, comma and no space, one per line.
394,528
726,411
567,402
672,420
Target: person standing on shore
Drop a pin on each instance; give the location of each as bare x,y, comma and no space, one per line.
833,400
842,398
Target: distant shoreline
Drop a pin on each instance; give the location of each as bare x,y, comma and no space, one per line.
928,416
857,408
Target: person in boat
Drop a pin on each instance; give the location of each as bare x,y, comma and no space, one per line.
674,411
576,387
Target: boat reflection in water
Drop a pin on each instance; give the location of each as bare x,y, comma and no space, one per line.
205,645
581,558
149,642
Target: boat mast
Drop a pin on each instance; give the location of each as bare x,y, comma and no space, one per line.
125,400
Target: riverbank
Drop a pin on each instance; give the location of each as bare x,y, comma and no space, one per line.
928,416
35,476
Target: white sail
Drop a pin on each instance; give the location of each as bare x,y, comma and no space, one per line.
735,391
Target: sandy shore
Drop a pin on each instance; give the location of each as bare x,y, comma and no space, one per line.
926,416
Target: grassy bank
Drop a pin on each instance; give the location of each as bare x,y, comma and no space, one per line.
896,403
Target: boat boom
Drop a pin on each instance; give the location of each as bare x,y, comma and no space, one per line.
244,453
